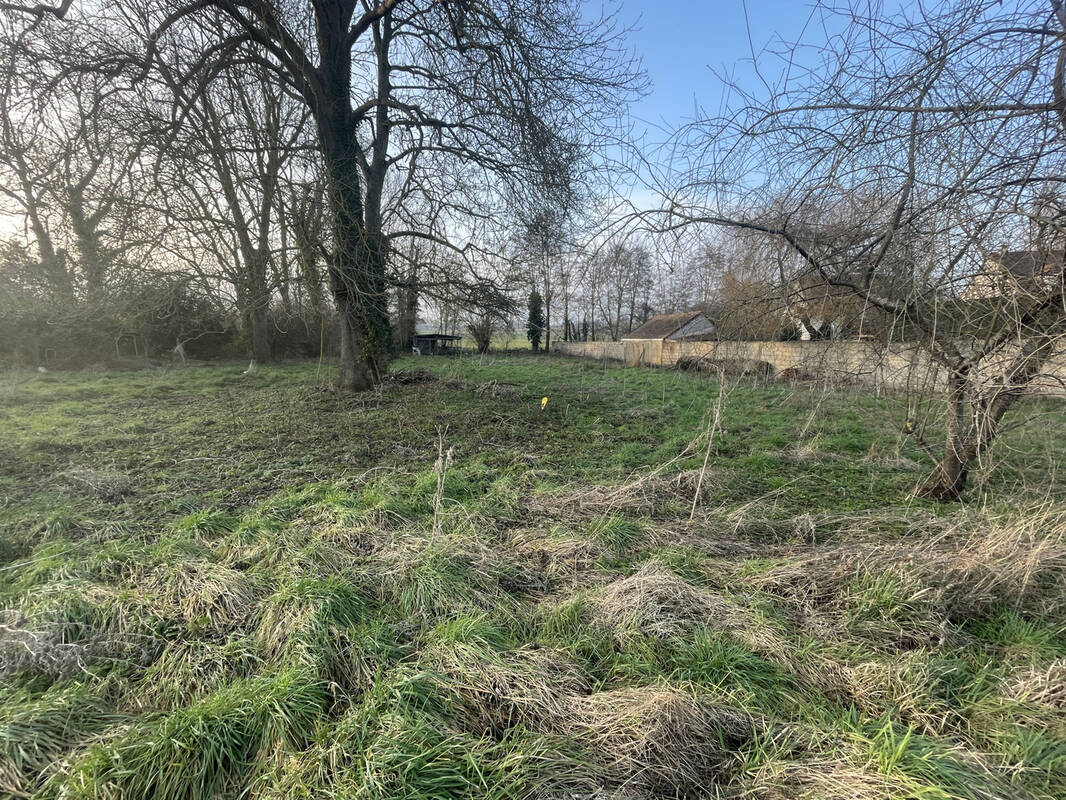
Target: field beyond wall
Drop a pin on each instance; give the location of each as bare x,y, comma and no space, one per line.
216,585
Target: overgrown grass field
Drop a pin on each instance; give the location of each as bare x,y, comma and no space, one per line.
218,585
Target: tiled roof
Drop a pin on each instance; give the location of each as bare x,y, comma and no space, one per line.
663,325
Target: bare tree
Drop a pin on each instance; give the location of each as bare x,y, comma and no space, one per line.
69,167
503,90
490,312
542,243
501,87
30,165
895,173
618,279
220,174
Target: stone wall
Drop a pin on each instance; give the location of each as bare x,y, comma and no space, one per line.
895,367
601,351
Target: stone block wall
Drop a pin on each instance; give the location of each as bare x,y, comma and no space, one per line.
867,363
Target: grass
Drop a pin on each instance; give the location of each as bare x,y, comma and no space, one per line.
220,585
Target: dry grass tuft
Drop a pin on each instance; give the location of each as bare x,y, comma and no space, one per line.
901,686
1017,560
812,779
38,731
45,648
1043,685
806,452
642,412
656,602
892,460
199,591
878,765
647,494
496,388
710,539
321,543
187,669
409,377
557,556
531,686
101,484
661,741
438,576
312,624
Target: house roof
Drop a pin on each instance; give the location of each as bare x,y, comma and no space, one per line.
1023,264
663,325
438,336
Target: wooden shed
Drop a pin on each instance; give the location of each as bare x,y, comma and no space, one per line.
436,344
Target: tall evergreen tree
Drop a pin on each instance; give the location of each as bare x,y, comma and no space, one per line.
535,320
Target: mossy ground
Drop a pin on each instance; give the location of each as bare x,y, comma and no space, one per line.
220,585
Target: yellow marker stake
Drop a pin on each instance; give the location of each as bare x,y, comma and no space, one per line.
543,402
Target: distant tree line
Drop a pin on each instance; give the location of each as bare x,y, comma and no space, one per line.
317,174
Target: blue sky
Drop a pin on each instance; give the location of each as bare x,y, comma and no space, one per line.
683,43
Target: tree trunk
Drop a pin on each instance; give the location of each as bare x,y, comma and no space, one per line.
310,277
976,408
547,323
359,294
407,311
90,253
411,311
566,314
356,373
53,263
255,303
616,332
949,476
282,280
259,319
356,269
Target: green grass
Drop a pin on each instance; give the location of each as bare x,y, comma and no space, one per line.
220,585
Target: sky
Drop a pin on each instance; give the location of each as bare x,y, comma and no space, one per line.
687,45
683,44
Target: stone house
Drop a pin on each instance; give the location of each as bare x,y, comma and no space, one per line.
1010,273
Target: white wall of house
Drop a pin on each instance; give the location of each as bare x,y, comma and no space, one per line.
804,334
